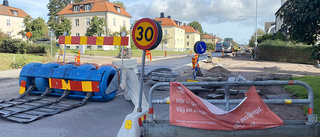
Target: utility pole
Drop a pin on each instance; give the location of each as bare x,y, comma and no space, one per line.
256,41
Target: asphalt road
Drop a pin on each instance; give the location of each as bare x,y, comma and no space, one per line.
95,119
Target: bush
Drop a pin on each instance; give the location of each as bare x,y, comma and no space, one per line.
19,63
35,48
275,50
210,46
10,45
18,46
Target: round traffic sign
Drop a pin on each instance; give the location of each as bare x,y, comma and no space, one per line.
28,34
155,45
145,34
200,47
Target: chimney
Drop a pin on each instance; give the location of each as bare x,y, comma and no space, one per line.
5,3
169,17
184,24
162,15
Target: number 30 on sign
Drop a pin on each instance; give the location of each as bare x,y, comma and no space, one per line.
147,34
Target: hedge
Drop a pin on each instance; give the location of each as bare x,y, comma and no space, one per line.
18,46
283,51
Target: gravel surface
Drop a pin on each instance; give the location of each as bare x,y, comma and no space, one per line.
231,66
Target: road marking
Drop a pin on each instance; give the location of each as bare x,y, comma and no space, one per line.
119,94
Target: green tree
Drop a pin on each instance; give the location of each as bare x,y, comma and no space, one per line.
64,25
120,4
280,36
301,20
35,26
55,6
96,26
196,25
260,33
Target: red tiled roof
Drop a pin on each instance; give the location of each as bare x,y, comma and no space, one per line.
207,36
168,22
190,29
98,6
7,10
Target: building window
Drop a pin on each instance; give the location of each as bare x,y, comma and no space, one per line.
76,22
118,9
76,8
187,43
165,32
88,47
22,24
87,21
206,40
99,47
77,34
87,7
187,36
14,12
77,47
9,34
124,23
8,22
114,22
68,47
212,39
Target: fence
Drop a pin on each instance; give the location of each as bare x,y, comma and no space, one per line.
227,101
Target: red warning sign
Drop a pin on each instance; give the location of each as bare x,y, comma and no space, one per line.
188,110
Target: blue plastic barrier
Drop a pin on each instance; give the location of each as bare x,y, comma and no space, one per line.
39,74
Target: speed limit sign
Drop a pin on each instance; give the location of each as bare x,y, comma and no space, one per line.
147,34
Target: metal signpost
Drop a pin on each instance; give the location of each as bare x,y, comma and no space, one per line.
146,35
64,47
123,34
199,48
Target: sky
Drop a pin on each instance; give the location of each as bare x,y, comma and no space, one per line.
219,17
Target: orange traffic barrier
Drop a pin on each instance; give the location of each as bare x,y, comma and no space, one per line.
165,53
148,54
190,52
222,53
196,56
194,62
77,59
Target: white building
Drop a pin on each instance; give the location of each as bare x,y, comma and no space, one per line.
11,20
81,14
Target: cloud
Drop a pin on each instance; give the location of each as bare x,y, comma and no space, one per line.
210,11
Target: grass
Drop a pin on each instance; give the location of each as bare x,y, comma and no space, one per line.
113,53
7,58
302,93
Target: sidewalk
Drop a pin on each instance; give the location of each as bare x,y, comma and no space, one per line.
9,74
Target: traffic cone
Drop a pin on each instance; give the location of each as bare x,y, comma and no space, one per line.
77,59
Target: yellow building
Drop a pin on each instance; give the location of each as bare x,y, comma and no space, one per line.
191,37
12,20
81,14
174,32
208,38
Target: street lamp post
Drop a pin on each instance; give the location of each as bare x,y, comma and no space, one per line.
256,40
255,29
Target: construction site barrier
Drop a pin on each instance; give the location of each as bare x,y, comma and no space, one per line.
292,128
77,79
227,101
